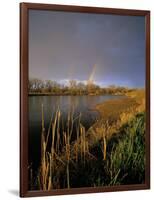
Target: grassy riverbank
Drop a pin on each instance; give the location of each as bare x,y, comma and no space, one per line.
111,152
113,108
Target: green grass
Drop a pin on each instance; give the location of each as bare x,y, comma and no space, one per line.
125,162
127,158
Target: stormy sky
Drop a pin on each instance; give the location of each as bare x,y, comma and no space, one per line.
65,46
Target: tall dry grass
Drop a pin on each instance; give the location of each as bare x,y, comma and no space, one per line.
57,150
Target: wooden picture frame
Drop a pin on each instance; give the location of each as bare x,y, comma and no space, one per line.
24,70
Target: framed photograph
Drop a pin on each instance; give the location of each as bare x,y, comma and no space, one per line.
84,99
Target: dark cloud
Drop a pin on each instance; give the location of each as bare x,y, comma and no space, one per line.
66,45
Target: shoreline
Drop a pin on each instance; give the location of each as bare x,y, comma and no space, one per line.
114,114
111,110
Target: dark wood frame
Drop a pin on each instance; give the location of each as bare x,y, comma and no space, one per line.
24,7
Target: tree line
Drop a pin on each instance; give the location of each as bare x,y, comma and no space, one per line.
37,86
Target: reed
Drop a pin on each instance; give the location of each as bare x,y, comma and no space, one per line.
83,142
67,146
44,179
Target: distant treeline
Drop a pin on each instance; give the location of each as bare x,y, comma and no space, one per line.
37,86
